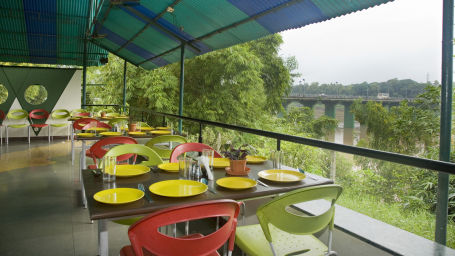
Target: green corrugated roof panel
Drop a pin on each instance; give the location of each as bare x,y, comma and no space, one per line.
46,32
205,25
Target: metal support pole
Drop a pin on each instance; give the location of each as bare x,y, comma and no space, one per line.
446,116
84,77
278,144
200,132
182,73
124,86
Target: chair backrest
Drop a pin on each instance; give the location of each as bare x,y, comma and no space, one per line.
164,153
143,124
97,124
152,157
112,114
38,114
190,147
60,114
17,114
274,212
122,122
97,150
80,123
80,112
145,234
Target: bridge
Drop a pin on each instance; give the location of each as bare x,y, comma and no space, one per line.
330,102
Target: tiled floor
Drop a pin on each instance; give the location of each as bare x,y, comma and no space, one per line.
40,205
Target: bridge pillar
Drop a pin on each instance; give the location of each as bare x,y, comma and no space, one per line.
329,109
348,116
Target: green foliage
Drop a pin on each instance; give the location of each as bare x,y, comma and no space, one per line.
3,94
405,88
35,94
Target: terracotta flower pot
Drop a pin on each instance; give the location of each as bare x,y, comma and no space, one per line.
238,166
103,114
131,127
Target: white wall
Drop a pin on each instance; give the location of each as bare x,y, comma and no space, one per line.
70,99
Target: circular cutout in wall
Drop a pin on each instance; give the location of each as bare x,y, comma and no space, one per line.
35,94
3,94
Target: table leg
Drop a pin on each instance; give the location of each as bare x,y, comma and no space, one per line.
103,243
72,148
82,166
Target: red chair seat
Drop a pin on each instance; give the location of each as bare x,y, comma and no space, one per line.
128,250
39,125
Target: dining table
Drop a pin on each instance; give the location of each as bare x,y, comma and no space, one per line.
102,213
83,158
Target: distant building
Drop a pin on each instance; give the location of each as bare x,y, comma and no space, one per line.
383,95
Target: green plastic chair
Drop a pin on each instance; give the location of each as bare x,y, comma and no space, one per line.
152,159
121,122
280,232
112,114
162,152
17,116
60,115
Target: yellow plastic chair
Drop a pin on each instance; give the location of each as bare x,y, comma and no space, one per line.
19,117
281,232
60,115
164,152
153,159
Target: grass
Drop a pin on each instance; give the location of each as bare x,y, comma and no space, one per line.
419,222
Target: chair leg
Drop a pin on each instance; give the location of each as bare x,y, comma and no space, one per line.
83,195
49,133
6,135
29,135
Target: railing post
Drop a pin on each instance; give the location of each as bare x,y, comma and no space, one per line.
278,144
164,121
124,85
142,116
182,81
445,125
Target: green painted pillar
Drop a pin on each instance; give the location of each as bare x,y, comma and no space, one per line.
182,82
348,116
329,109
84,76
124,85
445,125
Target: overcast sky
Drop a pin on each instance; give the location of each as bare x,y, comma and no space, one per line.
401,39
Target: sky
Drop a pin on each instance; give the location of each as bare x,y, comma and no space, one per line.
401,39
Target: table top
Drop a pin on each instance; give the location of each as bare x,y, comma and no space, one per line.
146,136
143,206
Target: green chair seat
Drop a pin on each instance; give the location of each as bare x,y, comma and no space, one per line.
253,242
163,152
17,125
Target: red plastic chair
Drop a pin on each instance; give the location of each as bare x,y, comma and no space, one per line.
98,150
98,124
82,114
80,123
37,119
2,117
190,147
144,234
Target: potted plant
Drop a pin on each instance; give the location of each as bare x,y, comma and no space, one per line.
237,159
131,125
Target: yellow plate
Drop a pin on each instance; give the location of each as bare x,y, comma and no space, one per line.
160,132
255,159
145,128
178,188
118,195
98,129
137,133
110,134
129,170
85,135
169,167
236,183
281,175
163,128
221,162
